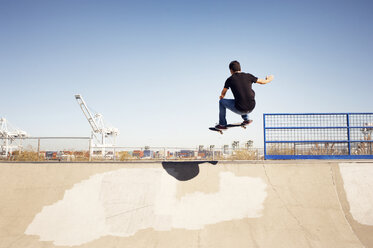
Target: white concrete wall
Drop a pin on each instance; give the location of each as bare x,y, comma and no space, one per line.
358,185
125,201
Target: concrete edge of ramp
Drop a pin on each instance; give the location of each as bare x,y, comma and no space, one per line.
290,210
363,231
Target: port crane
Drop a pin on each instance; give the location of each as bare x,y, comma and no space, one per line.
10,138
101,136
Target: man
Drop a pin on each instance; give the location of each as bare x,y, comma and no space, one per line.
244,97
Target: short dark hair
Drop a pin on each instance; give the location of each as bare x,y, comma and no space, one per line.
235,66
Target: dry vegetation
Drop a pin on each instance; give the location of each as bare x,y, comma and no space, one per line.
244,154
26,156
280,150
124,156
30,155
320,149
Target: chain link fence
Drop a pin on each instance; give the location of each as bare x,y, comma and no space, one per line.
45,149
318,136
80,149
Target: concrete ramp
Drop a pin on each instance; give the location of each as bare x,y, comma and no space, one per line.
187,204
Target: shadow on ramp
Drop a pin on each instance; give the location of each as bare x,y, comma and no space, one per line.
184,170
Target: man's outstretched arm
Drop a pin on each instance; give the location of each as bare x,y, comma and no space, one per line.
223,92
265,81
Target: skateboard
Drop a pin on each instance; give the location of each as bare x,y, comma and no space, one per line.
230,126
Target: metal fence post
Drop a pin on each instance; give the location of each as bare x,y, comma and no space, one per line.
264,134
38,148
90,149
348,134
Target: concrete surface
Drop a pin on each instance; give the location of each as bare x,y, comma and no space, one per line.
187,204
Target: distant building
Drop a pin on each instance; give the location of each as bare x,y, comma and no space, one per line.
138,154
185,154
148,154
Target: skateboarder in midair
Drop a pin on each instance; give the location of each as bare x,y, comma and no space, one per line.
244,97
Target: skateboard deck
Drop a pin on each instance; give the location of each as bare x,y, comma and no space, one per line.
230,126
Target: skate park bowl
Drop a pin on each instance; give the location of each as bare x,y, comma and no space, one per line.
289,203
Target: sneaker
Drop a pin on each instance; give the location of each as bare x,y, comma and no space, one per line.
220,127
247,122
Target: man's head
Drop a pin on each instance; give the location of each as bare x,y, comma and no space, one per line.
234,66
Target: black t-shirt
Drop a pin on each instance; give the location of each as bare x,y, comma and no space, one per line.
241,85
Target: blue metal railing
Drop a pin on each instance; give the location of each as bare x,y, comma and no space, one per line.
318,136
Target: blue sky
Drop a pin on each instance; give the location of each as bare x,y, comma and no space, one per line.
155,69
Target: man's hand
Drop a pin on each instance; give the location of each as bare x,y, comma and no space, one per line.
269,78
265,81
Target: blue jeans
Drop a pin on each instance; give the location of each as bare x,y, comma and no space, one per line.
225,104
